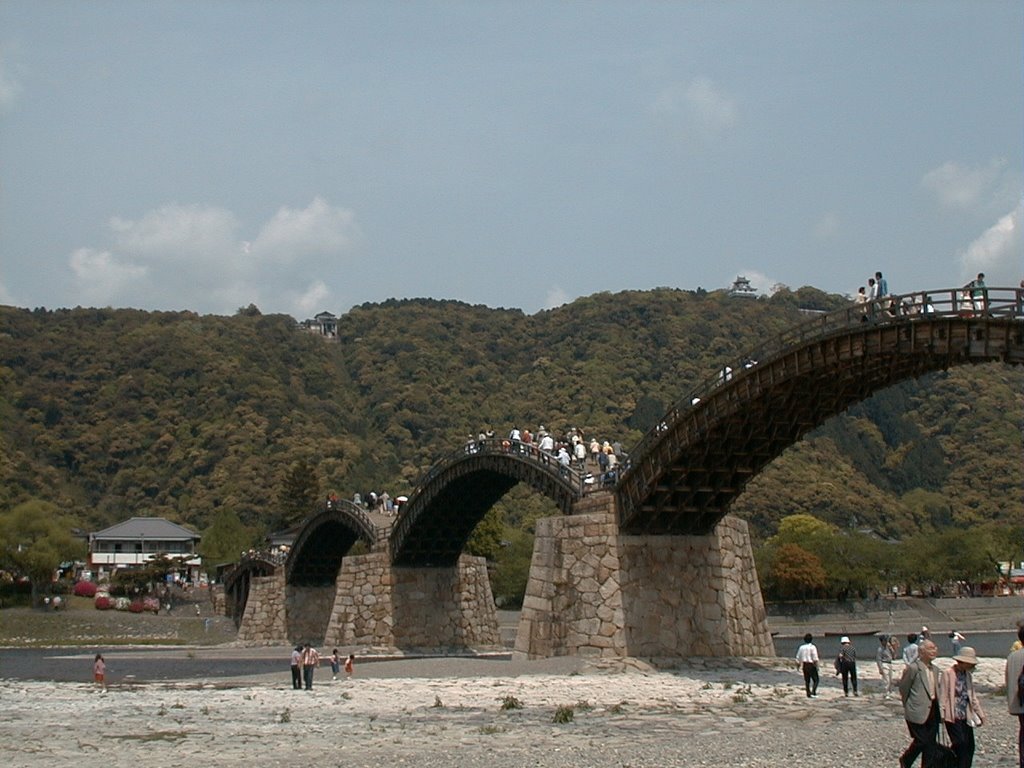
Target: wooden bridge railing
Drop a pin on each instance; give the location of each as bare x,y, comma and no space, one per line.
966,302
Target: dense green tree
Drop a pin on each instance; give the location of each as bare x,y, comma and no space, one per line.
509,577
486,539
225,538
299,496
34,540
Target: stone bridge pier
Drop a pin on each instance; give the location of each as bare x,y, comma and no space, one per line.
376,605
594,591
383,606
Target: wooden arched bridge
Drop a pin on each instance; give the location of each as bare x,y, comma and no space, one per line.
684,474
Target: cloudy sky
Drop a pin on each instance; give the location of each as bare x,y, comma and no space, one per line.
310,155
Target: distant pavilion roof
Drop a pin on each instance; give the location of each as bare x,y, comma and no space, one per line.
154,528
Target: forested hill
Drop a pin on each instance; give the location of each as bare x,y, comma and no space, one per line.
113,413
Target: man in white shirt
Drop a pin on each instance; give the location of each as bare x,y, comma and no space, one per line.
807,658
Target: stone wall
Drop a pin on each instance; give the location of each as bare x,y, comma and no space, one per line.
263,621
380,607
445,609
573,602
362,615
594,592
308,611
694,595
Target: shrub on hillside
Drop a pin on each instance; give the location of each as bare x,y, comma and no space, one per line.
85,589
103,603
136,606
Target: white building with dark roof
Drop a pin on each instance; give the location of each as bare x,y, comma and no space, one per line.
135,541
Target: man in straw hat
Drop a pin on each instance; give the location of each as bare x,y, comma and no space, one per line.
960,707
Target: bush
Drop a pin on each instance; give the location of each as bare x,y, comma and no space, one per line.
136,606
85,589
564,714
511,702
151,605
121,603
103,603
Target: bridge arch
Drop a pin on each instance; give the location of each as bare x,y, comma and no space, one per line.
455,494
324,539
239,580
686,472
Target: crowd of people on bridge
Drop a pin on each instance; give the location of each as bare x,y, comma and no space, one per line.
875,301
599,462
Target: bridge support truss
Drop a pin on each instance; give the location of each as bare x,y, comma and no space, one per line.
593,591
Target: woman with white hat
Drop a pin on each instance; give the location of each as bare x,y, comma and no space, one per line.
961,710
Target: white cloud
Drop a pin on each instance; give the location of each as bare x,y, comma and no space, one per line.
312,299
317,229
997,251
698,109
556,297
191,256
971,188
101,276
176,233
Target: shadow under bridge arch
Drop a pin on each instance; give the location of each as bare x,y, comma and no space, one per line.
324,540
434,525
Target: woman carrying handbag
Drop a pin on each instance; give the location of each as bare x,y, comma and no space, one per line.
961,710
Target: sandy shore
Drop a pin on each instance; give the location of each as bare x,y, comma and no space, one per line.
450,713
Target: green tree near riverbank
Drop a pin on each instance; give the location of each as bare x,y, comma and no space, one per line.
36,540
809,558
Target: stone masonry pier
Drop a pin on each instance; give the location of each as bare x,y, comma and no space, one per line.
375,605
593,591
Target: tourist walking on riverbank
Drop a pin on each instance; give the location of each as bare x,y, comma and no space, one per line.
335,664
846,665
807,658
911,650
296,662
350,666
1014,692
919,691
961,710
884,658
99,672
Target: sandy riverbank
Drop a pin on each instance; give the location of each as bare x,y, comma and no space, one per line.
446,713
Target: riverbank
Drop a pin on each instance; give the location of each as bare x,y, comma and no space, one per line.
449,712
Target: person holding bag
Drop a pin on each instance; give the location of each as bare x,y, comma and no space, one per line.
960,707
